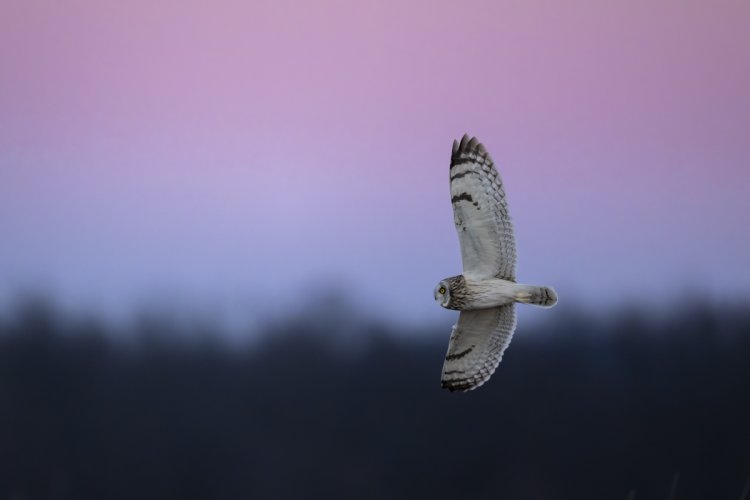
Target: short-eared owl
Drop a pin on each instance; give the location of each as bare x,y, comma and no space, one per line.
487,290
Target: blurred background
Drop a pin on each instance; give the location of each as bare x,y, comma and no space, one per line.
221,224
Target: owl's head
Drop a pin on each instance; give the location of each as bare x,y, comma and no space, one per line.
443,293
451,293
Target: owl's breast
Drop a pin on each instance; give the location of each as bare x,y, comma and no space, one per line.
485,294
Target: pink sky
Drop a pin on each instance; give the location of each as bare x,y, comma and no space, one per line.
221,152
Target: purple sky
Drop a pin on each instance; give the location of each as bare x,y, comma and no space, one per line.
217,154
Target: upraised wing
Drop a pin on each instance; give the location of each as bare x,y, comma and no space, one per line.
476,346
480,212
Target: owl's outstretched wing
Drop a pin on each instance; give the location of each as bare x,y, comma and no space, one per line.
476,346
480,212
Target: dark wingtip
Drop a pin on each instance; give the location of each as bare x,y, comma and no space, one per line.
456,388
468,145
464,140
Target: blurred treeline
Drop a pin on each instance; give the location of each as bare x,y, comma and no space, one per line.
587,408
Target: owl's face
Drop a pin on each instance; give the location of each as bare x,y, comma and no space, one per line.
443,293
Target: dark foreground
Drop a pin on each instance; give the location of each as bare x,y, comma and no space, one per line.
592,410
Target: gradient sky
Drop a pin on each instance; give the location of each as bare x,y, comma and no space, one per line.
226,156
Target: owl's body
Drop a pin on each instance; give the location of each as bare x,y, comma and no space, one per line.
465,295
487,291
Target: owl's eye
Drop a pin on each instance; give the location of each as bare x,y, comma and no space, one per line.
442,290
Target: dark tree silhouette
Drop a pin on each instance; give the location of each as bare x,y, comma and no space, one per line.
590,409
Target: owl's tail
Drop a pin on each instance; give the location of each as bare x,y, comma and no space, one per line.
542,296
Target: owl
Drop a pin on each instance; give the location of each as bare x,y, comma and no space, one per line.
486,292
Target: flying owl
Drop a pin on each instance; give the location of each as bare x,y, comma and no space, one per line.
487,291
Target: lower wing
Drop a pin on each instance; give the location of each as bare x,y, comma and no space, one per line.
476,346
